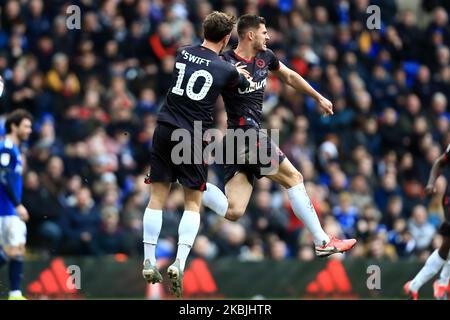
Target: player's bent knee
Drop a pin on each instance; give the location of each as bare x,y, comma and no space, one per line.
234,214
293,179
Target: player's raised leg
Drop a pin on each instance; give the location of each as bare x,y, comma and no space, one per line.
187,232
440,286
152,228
292,180
432,266
232,206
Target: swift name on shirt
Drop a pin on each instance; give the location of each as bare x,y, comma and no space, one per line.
195,59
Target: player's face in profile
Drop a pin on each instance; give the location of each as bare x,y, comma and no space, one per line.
24,130
261,38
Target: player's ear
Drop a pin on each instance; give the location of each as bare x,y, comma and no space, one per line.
251,35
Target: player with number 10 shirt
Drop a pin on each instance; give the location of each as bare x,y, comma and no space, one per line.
199,77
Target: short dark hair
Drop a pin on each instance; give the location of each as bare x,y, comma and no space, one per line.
217,25
16,117
249,21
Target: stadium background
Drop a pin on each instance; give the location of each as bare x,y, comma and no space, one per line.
95,93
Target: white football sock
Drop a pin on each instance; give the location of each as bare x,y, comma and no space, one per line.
432,266
187,232
304,210
215,199
444,277
152,228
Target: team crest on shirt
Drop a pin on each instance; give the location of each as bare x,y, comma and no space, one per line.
5,158
260,63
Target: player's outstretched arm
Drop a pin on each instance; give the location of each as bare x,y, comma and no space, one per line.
296,81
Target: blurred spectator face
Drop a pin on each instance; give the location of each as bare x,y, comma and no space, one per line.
74,184
12,9
409,18
389,181
263,200
376,248
165,33
60,63
345,201
55,167
321,15
420,125
407,161
363,101
111,198
399,225
359,153
359,184
84,197
32,181
235,234
203,247
111,48
443,55
300,137
424,74
136,29
365,167
91,99
37,81
119,23
306,253
109,8
443,124
413,104
440,17
167,64
19,75
301,123
143,8
390,116
36,7
148,95
88,60
45,43
278,250
371,126
90,23
59,26
110,219
439,103
118,85
395,206
275,122
331,227
419,215
338,180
